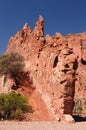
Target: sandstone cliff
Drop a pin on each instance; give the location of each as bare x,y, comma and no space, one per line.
56,65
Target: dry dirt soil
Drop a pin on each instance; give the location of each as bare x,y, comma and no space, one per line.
7,125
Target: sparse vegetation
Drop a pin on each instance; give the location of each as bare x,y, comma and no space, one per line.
13,106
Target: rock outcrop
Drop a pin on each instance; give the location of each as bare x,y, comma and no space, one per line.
55,64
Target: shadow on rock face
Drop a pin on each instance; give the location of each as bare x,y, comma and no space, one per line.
79,118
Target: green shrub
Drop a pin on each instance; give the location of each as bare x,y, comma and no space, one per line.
78,107
13,106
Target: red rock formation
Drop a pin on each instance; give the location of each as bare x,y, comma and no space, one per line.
52,63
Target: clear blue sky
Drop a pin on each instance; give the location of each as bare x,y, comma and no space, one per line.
64,16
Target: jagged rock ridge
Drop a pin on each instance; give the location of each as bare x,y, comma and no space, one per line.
55,65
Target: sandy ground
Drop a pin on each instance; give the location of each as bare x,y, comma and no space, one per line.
6,125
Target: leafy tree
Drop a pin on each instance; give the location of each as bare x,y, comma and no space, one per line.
13,106
11,65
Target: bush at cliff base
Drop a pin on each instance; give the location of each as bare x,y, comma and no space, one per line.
13,106
80,106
